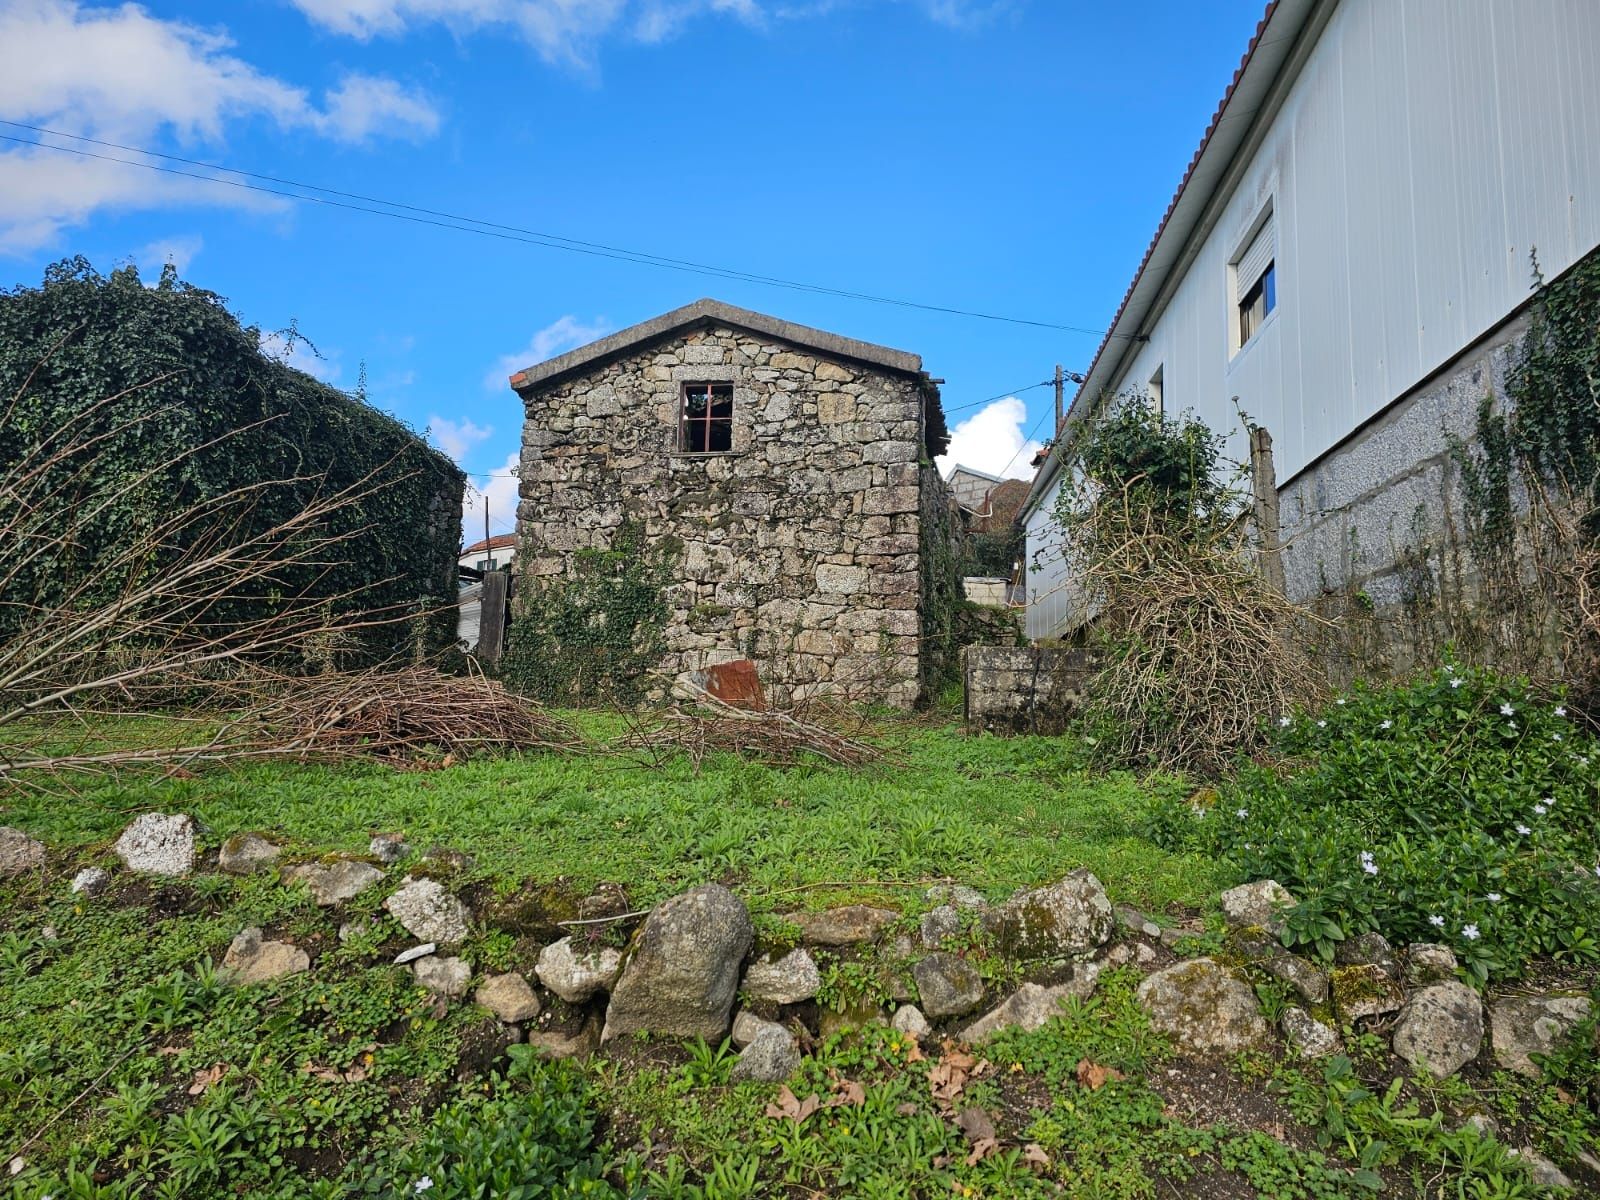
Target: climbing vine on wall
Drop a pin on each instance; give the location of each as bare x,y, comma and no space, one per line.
1532,478
592,636
171,403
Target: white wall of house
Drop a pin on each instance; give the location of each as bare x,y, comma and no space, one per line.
1424,149
1427,147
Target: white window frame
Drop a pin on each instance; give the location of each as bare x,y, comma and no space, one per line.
1255,254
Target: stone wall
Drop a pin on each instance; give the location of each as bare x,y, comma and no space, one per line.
1022,689
1374,532
801,549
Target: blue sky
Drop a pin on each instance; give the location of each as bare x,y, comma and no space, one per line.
1011,157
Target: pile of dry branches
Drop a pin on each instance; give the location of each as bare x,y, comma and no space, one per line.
1201,655
769,736
397,714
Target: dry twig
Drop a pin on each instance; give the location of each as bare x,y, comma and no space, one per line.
774,737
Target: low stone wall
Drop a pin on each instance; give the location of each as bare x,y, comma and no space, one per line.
1022,689
1374,533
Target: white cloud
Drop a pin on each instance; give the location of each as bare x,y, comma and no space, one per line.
300,354
456,438
966,14
559,30
500,489
366,105
124,75
569,30
992,441
179,251
560,335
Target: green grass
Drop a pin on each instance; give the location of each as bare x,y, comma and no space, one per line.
128,1067
991,813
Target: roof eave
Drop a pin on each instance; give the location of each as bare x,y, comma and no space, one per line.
708,311
1231,125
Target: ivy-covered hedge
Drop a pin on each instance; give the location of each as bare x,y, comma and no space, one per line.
167,375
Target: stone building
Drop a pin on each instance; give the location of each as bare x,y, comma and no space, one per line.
788,473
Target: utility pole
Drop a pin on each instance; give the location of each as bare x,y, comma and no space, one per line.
488,555
1060,398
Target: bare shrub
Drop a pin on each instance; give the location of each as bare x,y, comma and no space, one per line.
211,604
1197,653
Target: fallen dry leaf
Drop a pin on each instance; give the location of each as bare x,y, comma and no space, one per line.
205,1078
1093,1076
789,1108
908,1109
1034,1155
981,1149
848,1092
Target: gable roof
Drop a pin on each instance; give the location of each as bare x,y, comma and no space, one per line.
1237,116
498,542
706,312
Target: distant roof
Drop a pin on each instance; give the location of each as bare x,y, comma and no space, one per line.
712,312
498,542
973,471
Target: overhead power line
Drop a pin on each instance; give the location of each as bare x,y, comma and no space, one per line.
358,202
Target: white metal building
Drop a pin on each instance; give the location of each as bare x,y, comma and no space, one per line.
1350,240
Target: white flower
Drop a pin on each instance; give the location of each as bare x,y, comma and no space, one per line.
1494,897
1539,810
1450,668
1556,736
423,1184
1561,710
1242,813
1436,921
1200,814
1583,760
1284,722
1470,932
1523,829
1322,724
1455,683
1511,726
1367,864
1507,711
1386,725
1340,701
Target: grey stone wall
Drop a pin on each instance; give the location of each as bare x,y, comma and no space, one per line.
1022,689
1375,532
801,549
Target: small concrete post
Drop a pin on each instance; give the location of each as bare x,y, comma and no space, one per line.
1264,485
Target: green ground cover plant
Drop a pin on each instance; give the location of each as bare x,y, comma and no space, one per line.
991,813
1457,808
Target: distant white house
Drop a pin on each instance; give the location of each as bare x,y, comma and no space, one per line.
490,555
494,554
1347,261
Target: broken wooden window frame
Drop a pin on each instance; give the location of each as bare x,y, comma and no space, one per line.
709,431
